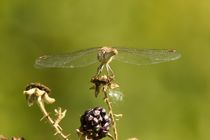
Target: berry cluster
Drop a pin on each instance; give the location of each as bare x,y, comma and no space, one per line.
95,123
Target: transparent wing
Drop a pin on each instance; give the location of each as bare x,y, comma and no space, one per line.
80,58
146,56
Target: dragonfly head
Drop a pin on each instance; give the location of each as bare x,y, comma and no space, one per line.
114,51
105,54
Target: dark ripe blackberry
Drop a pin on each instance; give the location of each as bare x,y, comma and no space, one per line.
95,123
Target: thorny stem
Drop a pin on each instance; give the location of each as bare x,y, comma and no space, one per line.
106,99
50,120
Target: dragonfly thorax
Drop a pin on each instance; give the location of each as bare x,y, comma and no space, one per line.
105,54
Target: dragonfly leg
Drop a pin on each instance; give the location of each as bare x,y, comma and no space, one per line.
99,70
109,70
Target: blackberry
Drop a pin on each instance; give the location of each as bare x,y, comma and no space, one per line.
95,123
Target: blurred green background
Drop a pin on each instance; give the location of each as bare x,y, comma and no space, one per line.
169,101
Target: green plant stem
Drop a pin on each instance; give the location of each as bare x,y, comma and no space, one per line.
106,99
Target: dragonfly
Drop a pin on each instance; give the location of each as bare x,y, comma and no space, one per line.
105,55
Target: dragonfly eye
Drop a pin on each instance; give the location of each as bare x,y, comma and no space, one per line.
115,51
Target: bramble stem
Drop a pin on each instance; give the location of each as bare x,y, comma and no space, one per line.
51,121
110,136
106,99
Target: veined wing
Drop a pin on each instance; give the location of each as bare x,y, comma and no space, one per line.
80,58
146,56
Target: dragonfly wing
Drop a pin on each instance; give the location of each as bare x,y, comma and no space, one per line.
146,56
80,58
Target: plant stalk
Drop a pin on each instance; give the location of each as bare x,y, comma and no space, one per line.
57,128
114,126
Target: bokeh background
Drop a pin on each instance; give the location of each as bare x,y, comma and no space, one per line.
168,101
